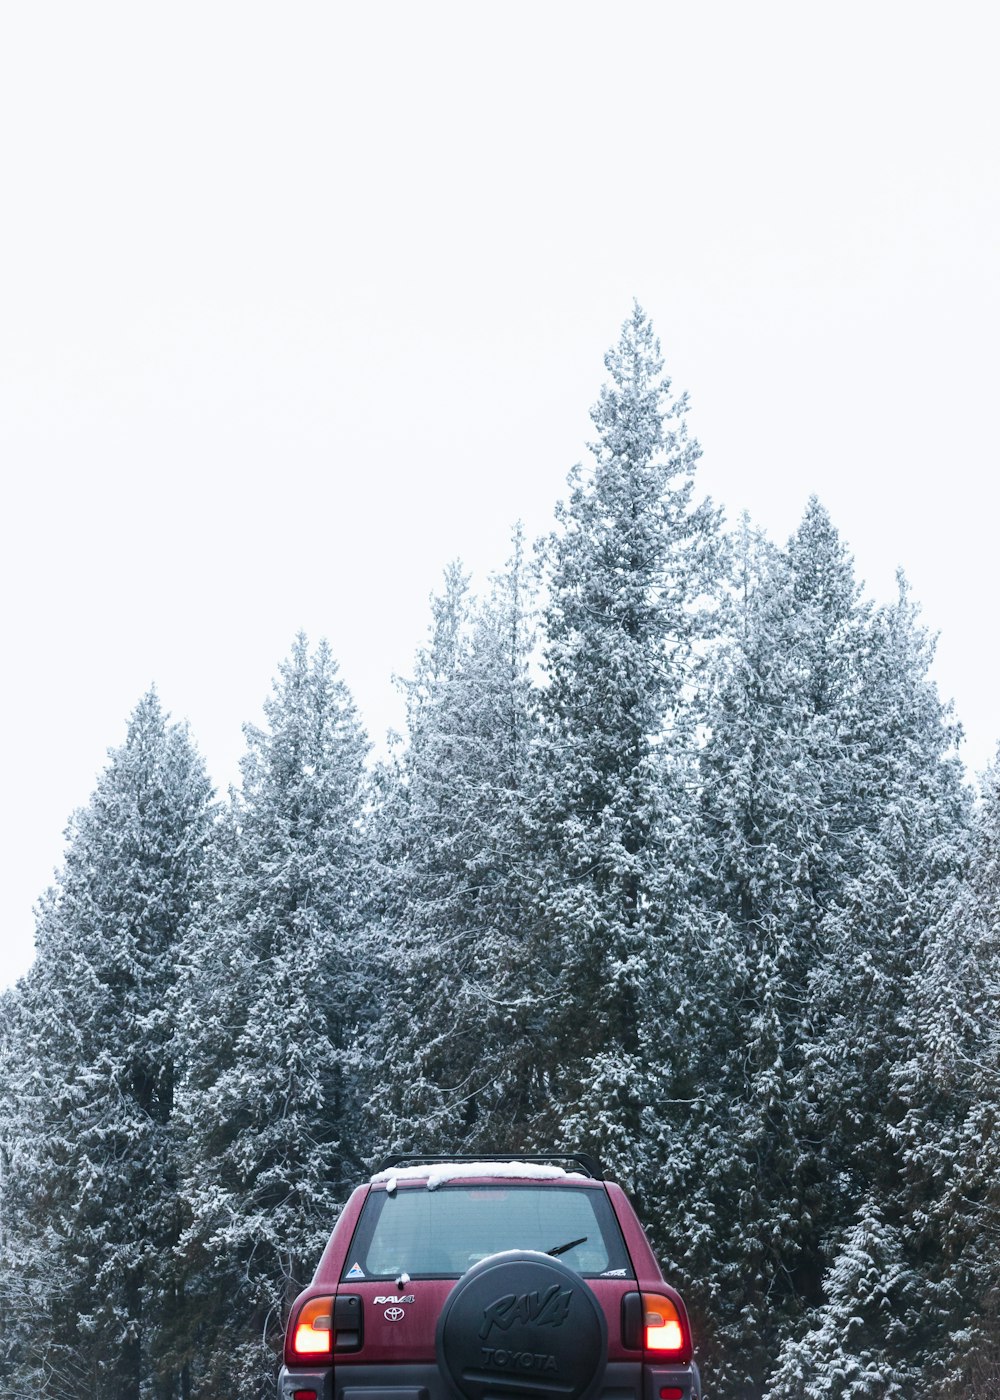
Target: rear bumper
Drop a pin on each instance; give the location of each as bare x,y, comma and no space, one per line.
623,1380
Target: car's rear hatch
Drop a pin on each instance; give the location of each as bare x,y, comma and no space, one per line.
411,1244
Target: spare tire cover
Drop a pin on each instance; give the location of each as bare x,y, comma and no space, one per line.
521,1323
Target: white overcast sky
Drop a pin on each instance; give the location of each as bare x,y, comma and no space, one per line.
300,301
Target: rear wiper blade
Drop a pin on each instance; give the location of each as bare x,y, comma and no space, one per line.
565,1248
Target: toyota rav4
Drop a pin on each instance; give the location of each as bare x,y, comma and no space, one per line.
488,1279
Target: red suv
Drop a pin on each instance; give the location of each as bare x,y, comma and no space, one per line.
488,1279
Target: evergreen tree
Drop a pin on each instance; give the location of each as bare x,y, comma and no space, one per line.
834,808
908,811
15,1311
628,573
274,992
769,790
948,1137
452,847
90,1205
857,1347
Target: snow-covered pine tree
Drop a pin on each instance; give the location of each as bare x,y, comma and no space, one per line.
858,1343
274,993
969,1215
14,1312
834,806
452,848
747,1185
90,1204
948,1139
628,572
906,812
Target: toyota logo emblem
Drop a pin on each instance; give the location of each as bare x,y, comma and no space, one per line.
394,1314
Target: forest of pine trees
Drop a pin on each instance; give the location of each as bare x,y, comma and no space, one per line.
676,863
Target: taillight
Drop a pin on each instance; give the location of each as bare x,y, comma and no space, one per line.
665,1332
312,1333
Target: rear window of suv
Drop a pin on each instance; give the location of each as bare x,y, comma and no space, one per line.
444,1232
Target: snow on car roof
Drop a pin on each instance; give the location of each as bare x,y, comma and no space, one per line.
437,1173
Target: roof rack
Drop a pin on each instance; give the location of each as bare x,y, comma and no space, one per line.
590,1166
